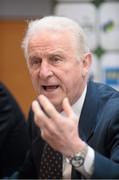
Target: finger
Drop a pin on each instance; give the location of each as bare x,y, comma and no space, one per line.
36,108
39,115
48,107
67,107
42,108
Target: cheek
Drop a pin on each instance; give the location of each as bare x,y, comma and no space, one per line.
73,83
67,80
34,79
33,75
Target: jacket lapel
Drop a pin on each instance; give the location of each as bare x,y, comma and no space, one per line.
87,120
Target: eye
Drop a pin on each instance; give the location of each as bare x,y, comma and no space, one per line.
55,59
35,62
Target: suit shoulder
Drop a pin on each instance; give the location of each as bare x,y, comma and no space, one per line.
106,91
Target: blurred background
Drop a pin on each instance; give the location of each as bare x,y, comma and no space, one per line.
99,18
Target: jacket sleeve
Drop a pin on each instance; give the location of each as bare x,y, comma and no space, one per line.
107,167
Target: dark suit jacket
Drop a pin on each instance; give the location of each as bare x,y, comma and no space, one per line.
14,138
98,126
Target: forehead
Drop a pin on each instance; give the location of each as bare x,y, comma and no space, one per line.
49,40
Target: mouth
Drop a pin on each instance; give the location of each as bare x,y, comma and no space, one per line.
50,88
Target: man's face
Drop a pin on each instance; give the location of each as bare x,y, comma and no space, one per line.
54,68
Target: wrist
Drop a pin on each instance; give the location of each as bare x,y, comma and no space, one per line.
77,147
77,159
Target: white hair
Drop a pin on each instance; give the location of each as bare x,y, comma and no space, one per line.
56,23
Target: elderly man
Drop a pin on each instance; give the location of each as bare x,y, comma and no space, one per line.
77,120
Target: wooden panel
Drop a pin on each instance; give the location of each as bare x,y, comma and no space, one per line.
13,68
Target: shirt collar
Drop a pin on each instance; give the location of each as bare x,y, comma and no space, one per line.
77,107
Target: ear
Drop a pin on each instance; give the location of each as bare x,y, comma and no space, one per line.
86,64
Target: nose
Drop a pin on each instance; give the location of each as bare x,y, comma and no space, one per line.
45,70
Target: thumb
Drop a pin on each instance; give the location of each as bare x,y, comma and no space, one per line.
67,107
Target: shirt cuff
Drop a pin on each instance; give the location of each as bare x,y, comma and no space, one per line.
87,169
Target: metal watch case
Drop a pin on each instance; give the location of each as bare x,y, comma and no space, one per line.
77,160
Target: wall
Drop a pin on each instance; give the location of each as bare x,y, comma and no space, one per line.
13,69
99,19
14,9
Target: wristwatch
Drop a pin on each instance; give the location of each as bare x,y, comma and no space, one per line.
79,158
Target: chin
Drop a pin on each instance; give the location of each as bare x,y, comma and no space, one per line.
57,104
